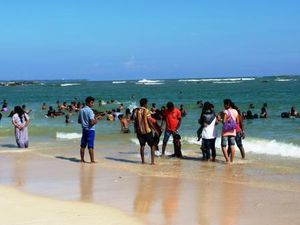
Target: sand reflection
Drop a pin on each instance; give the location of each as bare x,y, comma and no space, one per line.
157,196
87,182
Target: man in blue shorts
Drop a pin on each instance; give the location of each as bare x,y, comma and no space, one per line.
87,120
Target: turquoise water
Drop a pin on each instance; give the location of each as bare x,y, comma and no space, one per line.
273,135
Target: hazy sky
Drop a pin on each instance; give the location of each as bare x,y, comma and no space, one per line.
134,39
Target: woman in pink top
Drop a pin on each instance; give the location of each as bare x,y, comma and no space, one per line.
228,136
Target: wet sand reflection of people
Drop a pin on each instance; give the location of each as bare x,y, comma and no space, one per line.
19,171
231,201
87,182
205,203
151,190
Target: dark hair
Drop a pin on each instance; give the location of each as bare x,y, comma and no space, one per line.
143,102
20,112
89,99
206,107
170,105
228,102
127,111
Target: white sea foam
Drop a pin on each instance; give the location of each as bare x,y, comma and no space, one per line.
284,79
190,80
132,106
69,84
159,83
119,82
253,145
215,80
272,147
248,78
149,82
235,79
227,82
68,136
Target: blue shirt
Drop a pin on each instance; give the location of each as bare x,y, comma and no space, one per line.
86,114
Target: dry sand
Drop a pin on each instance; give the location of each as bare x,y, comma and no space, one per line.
20,208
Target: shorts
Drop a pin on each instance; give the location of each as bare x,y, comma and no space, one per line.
238,139
168,134
227,140
146,138
87,139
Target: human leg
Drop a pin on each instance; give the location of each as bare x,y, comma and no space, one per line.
205,149
82,154
213,148
242,150
83,145
238,140
231,144
90,142
150,142
142,141
91,152
152,154
165,141
224,144
177,145
142,153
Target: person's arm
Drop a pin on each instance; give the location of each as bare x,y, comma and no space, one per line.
225,117
217,119
15,123
79,118
241,122
93,119
179,120
27,120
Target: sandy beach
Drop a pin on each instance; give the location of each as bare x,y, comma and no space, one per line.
48,185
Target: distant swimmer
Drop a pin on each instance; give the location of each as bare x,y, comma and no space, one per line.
264,112
292,114
44,106
52,113
182,110
4,106
27,111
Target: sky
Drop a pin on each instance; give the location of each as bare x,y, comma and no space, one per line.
136,39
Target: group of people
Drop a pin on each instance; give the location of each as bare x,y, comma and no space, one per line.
148,131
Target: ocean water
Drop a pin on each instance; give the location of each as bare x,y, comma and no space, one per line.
271,136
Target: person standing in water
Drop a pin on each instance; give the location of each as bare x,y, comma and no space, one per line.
230,120
20,120
142,125
87,120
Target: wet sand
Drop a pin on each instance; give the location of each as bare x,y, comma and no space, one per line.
258,190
